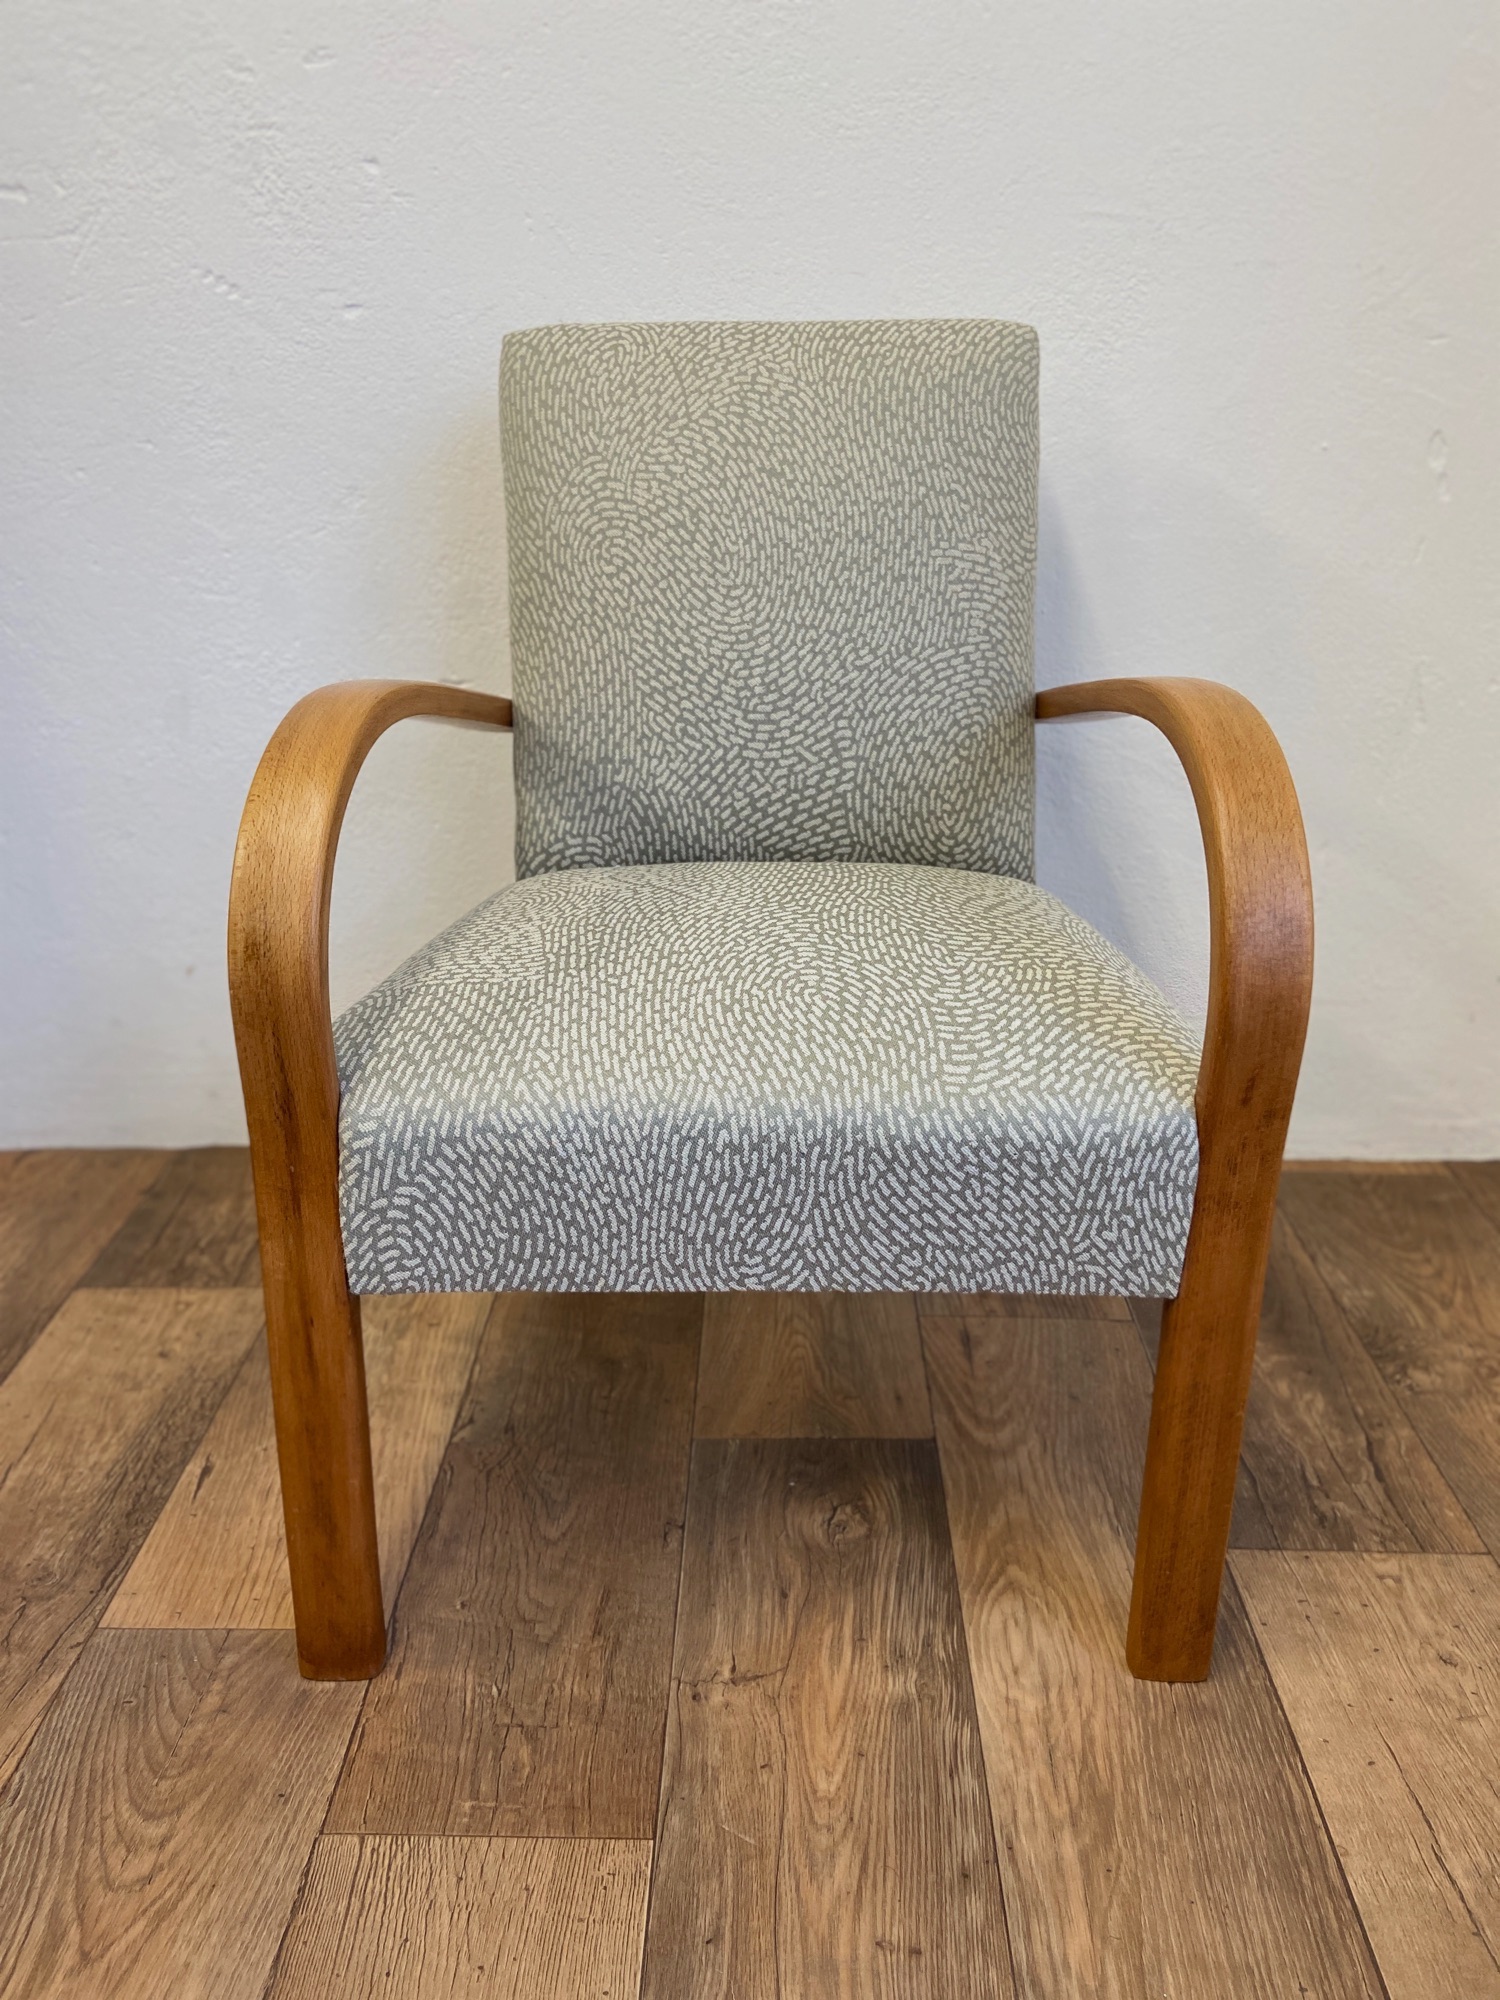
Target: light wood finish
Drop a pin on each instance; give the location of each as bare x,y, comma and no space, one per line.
155,1835
1329,1460
528,1677
1018,1305
823,1829
57,1211
1389,1668
194,1227
1153,1840
811,1364
1260,984
217,1555
96,1420
1416,1266
278,985
381,1919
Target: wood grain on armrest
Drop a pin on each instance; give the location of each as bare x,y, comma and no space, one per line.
278,988
283,877
1260,984
1259,895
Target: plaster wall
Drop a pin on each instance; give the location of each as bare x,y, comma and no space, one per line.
256,267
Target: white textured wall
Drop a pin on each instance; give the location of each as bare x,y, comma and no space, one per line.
256,266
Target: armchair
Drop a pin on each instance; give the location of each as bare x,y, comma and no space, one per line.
775,930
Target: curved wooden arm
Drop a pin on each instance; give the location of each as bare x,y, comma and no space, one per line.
1260,908
1260,984
283,879
283,1029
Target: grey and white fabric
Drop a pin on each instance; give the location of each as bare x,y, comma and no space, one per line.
775,1003
767,1075
770,592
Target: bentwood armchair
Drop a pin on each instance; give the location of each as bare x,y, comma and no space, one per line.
775,1002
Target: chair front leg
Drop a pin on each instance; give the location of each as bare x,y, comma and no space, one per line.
1203,1373
323,1446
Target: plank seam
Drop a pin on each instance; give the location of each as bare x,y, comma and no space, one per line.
963,1626
666,1719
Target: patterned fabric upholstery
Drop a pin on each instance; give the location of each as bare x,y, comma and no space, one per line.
783,1075
771,592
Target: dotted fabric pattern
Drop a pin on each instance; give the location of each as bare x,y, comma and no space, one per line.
771,592
767,1075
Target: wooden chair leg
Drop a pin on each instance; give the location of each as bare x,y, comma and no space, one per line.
283,1029
327,1486
1192,1456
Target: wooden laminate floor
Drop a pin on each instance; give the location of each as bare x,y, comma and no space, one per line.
745,1647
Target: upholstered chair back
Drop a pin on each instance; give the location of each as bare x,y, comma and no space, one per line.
771,592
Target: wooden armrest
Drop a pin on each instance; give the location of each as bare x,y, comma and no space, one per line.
1260,911
283,1029
278,912
1260,983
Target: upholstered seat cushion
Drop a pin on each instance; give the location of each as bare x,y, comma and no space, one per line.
779,1075
771,1006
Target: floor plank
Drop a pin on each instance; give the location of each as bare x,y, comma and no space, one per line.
1389,1668
1480,1181
1335,1460
812,1364
217,1555
1330,1460
1415,1265
153,1839
527,1683
1019,1305
57,1210
507,1919
1154,1839
194,1226
823,1829
95,1423
1399,1249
